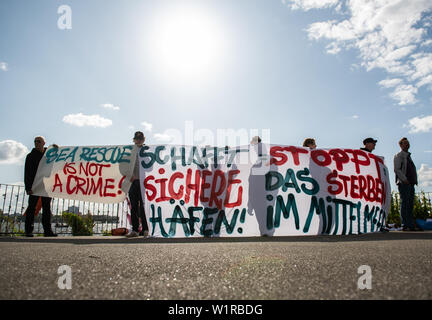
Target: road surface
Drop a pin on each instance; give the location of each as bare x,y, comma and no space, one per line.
398,266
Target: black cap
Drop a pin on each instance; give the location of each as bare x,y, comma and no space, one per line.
139,135
368,140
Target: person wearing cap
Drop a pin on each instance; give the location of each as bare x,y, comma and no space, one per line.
30,168
406,179
135,196
369,144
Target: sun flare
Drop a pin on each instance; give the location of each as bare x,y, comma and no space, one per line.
186,44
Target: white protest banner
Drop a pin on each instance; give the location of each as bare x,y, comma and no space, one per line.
91,173
260,189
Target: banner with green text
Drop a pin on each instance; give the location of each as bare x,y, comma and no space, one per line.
262,190
92,173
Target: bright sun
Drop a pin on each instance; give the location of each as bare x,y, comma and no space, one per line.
186,44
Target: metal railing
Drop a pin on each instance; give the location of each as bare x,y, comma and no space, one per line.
14,201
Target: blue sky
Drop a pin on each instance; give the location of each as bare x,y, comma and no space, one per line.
338,71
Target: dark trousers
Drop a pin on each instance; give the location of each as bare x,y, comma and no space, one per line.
137,207
406,192
46,214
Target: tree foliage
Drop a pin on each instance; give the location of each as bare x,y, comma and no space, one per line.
81,225
422,208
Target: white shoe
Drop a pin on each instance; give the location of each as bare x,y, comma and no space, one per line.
132,234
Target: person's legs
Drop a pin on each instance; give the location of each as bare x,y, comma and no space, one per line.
46,215
134,198
142,212
143,218
29,220
405,205
410,207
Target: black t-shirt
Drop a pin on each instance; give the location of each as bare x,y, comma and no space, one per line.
411,173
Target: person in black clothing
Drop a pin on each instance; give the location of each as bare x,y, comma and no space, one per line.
135,196
369,144
406,180
30,169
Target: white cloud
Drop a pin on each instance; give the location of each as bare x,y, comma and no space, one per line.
332,30
310,4
3,66
424,81
389,83
147,126
422,65
425,176
418,124
81,120
333,48
405,94
110,106
12,152
389,35
163,137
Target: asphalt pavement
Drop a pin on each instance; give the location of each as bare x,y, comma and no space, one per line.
394,265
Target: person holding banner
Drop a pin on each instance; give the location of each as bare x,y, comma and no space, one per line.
30,169
135,196
369,145
309,143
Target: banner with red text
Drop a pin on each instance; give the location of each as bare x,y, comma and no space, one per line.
92,173
262,190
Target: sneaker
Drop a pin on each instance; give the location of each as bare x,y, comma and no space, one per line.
132,234
145,234
29,235
50,234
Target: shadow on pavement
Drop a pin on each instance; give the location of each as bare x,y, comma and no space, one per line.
426,235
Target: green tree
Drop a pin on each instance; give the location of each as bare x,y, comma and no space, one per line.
394,214
422,207
81,225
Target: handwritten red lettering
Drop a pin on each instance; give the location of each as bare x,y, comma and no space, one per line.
277,152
